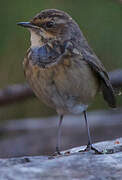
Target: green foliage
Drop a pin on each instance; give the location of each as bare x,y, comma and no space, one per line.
100,21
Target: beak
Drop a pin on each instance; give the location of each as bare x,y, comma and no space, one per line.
26,25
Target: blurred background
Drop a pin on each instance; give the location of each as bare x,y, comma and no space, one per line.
101,23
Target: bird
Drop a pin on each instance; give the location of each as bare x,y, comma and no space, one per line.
62,69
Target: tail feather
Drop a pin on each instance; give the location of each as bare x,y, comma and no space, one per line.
109,95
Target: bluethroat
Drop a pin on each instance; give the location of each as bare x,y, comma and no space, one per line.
62,69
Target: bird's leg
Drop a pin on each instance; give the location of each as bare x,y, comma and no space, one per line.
88,131
59,135
89,145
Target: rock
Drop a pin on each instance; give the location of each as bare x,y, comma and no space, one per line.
73,166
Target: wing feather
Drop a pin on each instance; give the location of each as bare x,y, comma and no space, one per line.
96,65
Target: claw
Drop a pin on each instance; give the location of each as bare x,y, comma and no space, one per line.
58,151
90,147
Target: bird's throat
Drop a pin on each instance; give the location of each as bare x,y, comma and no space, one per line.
36,40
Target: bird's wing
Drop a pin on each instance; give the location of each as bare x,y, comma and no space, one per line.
89,56
95,64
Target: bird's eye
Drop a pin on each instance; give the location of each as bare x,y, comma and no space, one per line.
49,24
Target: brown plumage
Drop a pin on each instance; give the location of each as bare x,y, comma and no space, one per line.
60,66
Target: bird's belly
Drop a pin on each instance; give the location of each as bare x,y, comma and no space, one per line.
68,87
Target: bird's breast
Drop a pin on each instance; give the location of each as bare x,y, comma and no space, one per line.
68,87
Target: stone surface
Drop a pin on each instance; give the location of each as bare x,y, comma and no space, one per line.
74,166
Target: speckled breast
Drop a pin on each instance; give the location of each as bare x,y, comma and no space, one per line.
68,87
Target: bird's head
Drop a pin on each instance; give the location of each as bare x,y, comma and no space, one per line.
49,25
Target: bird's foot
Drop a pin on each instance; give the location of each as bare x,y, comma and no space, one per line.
89,148
57,153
